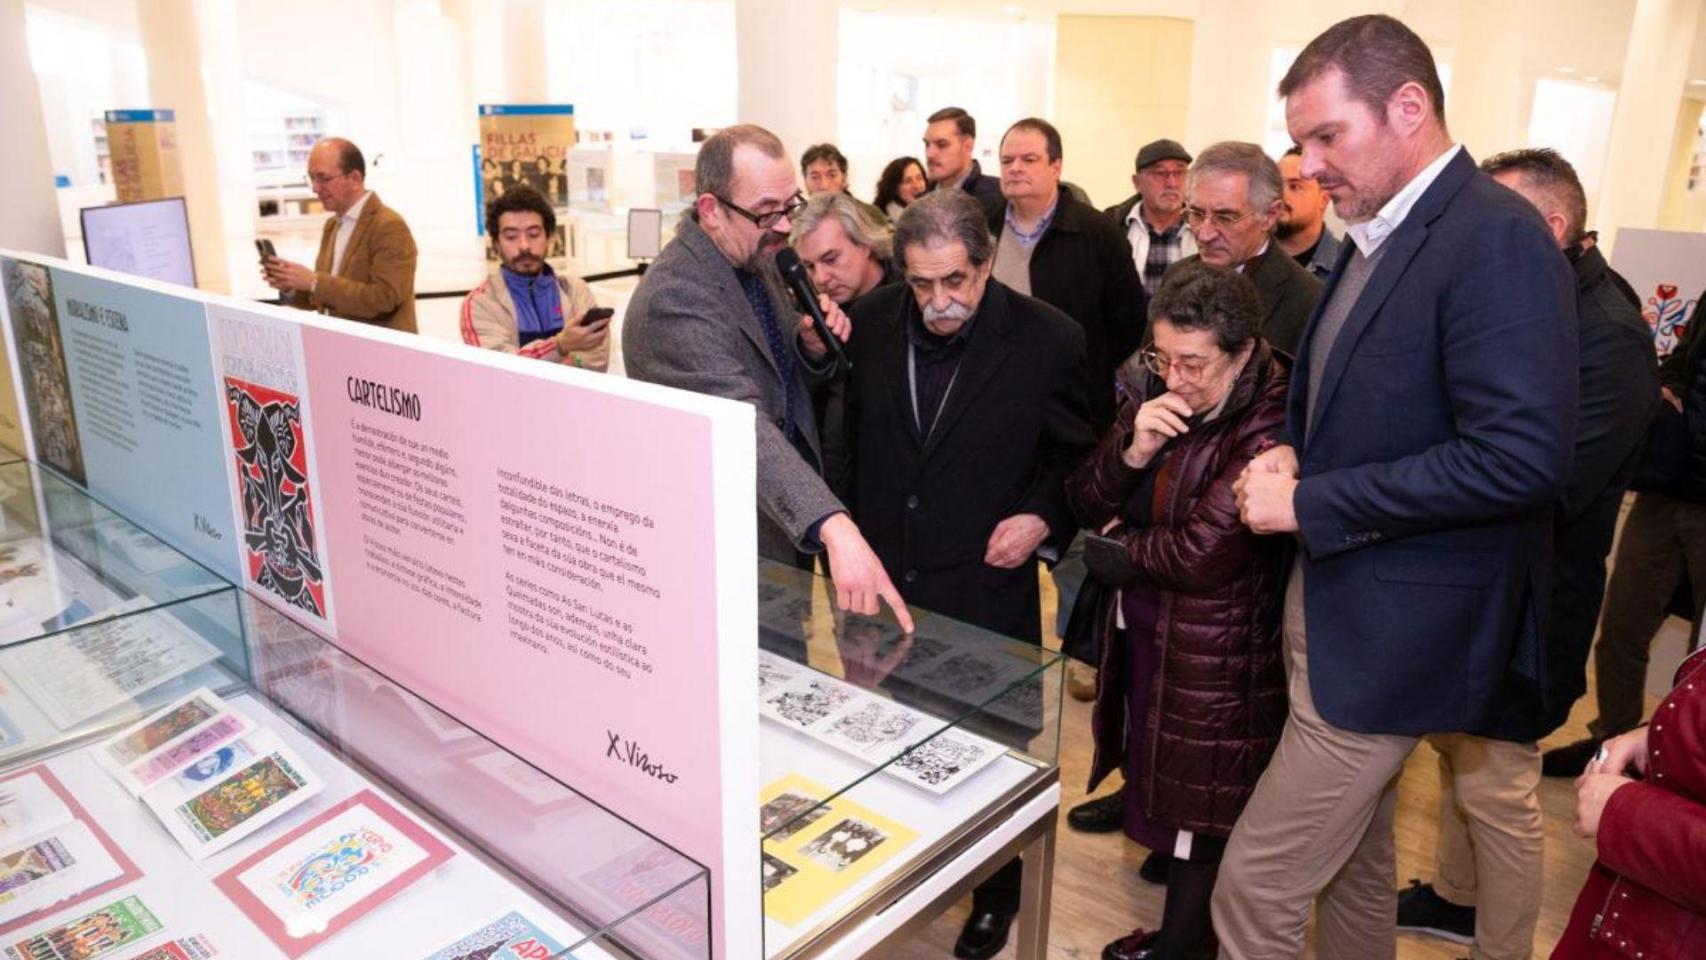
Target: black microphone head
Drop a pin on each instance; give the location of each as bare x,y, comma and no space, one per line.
788,261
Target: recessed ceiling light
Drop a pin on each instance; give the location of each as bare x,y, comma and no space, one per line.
1697,83
1591,79
1566,69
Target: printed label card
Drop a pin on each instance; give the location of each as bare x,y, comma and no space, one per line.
510,937
257,781
98,933
84,673
311,883
171,739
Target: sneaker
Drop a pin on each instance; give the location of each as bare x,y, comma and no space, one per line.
1569,761
1421,910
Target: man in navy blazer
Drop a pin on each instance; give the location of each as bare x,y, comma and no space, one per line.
1432,417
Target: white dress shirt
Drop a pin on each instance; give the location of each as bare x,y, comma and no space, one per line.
1370,234
346,227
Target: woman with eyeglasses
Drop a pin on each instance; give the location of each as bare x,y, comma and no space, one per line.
1192,695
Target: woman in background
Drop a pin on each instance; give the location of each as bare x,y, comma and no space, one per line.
901,183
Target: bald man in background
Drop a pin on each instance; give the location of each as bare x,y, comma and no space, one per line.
365,270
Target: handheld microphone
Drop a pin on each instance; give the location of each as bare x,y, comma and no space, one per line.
794,275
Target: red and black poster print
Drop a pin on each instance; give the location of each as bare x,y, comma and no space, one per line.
279,545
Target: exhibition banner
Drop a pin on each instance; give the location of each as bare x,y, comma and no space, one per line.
143,148
1667,268
562,560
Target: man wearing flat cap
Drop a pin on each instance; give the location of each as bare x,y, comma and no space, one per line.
1154,217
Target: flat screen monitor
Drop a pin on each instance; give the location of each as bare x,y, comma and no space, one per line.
645,233
149,238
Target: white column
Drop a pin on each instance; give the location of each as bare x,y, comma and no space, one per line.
29,216
1655,68
195,69
1489,111
525,76
786,53
1231,60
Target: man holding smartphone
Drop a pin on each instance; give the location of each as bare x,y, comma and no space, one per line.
524,306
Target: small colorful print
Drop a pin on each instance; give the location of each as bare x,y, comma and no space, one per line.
23,867
510,937
189,948
95,934
342,861
175,722
233,802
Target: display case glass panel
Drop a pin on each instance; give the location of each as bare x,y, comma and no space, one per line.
879,749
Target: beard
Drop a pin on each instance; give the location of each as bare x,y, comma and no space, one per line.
1287,228
526,265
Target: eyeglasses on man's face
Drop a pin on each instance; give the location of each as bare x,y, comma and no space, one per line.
765,221
1222,219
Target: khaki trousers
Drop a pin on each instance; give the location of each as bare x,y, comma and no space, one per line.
1318,829
1490,841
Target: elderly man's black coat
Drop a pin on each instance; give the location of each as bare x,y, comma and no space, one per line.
1013,425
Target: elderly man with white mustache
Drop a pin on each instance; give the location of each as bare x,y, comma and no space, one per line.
970,406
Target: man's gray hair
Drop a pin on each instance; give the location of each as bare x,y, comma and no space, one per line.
714,171
945,216
1233,156
863,230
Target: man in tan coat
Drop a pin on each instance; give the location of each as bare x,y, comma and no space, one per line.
524,306
366,266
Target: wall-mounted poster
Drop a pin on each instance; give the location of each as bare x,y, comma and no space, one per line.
1667,268
526,144
143,145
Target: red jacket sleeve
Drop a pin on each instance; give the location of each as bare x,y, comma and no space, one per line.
1657,839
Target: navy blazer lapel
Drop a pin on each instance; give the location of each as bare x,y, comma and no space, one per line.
1401,248
978,367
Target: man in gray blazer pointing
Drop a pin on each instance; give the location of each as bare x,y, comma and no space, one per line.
709,317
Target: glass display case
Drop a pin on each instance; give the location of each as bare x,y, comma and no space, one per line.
884,754
259,793
100,622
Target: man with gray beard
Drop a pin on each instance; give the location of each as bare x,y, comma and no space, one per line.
969,406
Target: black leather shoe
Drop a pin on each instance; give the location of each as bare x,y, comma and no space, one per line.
1157,867
1569,761
1101,815
984,935
1137,945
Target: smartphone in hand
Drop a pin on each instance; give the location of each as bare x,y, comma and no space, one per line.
597,315
264,247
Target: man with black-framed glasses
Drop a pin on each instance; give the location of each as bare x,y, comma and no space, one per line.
709,316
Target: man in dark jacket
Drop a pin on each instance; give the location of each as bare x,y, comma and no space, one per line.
969,411
1060,251
1664,538
949,142
1487,883
1234,197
